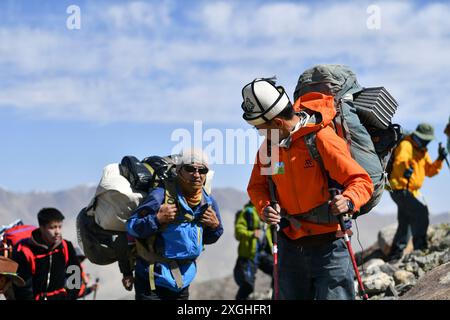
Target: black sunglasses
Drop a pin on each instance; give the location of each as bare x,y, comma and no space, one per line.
191,169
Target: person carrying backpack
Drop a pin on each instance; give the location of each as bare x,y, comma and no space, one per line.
410,166
43,260
254,251
313,259
171,227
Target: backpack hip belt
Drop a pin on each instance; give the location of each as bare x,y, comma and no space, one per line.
152,258
319,215
174,266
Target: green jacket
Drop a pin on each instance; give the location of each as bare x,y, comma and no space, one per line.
247,221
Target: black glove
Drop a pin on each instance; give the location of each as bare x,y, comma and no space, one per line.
408,173
442,152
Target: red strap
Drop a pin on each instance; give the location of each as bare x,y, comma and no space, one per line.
40,256
28,255
65,251
50,294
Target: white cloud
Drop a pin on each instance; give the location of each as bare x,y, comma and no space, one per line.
218,16
155,62
137,14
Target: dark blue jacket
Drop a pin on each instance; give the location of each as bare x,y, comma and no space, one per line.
181,240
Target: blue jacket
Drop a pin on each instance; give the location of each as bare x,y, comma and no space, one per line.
182,240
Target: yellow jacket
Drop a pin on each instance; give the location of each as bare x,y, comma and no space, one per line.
409,155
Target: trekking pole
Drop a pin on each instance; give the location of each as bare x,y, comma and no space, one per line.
445,158
362,291
95,291
273,202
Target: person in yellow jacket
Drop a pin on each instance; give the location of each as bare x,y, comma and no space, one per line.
254,251
411,164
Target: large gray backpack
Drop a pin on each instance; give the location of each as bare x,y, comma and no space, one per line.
363,120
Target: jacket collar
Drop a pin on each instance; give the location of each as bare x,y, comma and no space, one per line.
323,112
303,120
206,199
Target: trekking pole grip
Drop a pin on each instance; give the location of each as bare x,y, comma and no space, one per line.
362,292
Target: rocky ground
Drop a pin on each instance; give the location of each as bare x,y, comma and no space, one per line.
417,275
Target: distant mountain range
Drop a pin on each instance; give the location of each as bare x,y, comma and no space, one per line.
217,261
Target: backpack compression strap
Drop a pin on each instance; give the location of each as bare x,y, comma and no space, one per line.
341,126
339,121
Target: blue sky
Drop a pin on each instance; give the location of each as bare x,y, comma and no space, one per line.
72,101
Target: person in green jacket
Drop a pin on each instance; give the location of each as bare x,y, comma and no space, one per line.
254,251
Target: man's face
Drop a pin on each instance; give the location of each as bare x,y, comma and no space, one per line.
4,283
272,130
195,174
52,232
266,130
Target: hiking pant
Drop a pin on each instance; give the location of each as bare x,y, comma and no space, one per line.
319,272
143,292
412,218
245,273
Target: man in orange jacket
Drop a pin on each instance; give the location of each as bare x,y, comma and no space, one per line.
314,262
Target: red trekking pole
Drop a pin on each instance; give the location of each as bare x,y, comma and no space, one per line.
275,245
273,202
362,291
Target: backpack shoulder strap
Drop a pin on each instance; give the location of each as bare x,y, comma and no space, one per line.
249,218
65,251
310,141
29,255
170,192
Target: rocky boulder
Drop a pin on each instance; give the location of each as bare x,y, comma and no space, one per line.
377,283
416,269
404,277
435,285
373,266
385,238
